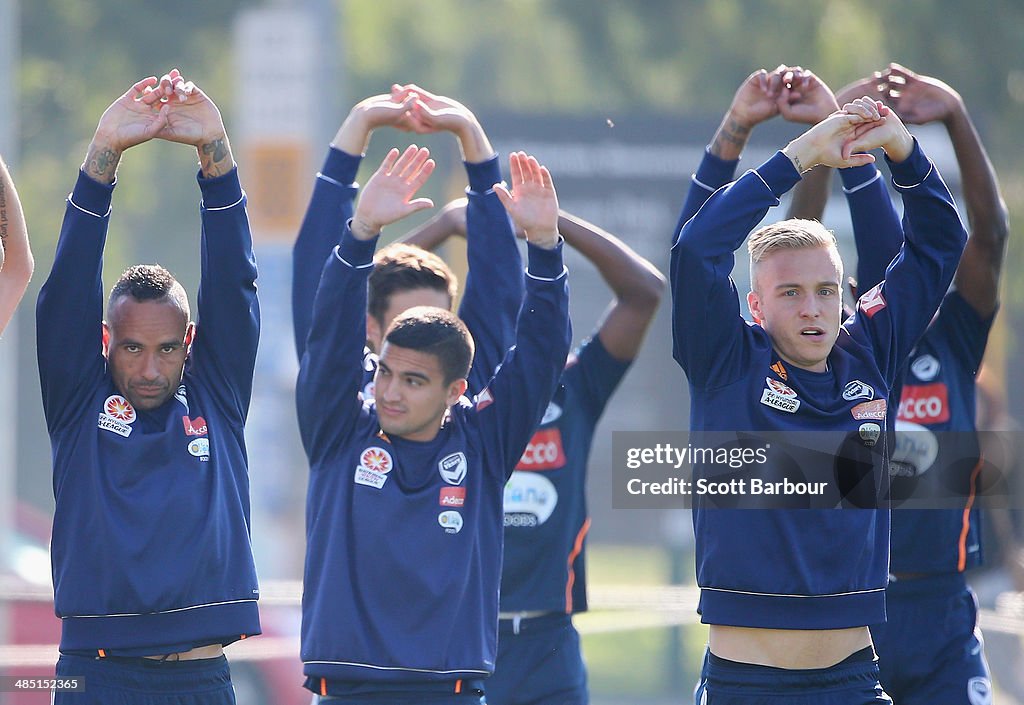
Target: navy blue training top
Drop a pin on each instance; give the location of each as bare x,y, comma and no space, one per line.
404,539
150,546
798,569
546,519
936,458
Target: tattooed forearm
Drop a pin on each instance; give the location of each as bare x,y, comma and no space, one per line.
730,133
101,163
3,213
215,157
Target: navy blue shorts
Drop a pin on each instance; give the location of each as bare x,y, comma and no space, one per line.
930,650
540,665
141,681
852,682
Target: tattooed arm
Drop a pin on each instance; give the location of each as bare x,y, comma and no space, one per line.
136,117
756,100
15,256
192,118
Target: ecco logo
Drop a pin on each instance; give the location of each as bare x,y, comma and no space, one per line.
544,451
924,403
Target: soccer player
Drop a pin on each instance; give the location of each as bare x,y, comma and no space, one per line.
789,594
404,519
923,659
153,572
543,579
408,276
16,262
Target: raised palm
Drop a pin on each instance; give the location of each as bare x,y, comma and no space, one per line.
532,203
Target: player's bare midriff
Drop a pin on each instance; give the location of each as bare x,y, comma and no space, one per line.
787,648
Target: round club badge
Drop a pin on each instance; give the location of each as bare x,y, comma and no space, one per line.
119,409
377,459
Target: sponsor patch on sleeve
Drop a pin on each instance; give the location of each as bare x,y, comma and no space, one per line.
872,301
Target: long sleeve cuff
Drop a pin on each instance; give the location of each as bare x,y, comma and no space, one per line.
92,196
545,264
779,174
912,170
715,171
220,191
356,253
483,175
856,177
341,166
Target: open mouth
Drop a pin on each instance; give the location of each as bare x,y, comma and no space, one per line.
812,332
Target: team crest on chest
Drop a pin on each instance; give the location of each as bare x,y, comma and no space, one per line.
453,468
858,390
779,396
925,368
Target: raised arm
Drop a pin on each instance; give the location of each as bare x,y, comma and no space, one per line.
331,372
513,403
450,220
70,305
756,100
896,312
494,283
921,99
807,99
333,196
16,263
635,282
228,317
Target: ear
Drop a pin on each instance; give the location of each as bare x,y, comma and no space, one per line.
373,334
190,335
106,339
455,390
754,304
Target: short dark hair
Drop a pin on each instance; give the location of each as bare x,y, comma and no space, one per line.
149,282
401,267
437,332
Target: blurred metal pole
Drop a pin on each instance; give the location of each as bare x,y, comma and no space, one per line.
9,342
285,55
